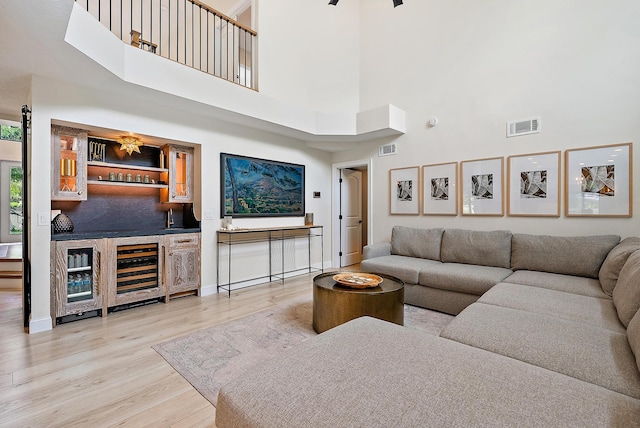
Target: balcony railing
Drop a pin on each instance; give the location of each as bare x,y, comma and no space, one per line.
185,31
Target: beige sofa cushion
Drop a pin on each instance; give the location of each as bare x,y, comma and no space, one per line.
626,294
555,281
476,247
595,355
584,309
413,242
569,255
633,335
371,373
405,268
463,278
616,258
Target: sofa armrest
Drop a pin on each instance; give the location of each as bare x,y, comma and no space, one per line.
376,250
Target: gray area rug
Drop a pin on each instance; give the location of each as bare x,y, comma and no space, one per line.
211,357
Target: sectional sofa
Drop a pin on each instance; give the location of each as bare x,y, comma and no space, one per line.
546,333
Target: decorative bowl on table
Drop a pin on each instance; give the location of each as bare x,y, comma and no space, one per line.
357,279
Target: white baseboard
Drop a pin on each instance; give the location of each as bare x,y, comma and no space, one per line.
39,325
208,290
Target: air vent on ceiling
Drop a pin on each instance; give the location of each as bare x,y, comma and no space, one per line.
523,127
387,149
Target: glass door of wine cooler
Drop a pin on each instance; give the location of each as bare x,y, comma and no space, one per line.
80,275
77,279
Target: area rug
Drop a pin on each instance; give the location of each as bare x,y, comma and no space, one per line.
211,357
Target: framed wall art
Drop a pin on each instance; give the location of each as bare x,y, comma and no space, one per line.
533,186
404,186
481,187
252,187
440,185
598,181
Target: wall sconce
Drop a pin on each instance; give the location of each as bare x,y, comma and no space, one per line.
130,144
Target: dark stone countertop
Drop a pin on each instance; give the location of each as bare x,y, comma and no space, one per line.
120,234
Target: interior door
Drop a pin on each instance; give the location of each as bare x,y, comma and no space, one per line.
351,217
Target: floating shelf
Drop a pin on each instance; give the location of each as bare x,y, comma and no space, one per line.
126,166
128,184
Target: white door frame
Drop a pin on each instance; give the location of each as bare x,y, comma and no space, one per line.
335,210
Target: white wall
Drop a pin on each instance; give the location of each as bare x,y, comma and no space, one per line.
155,115
11,150
476,65
308,53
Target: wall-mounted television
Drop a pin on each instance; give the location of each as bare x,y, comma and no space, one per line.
252,187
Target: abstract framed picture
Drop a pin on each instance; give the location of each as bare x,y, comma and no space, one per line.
533,186
252,187
440,185
482,187
404,186
598,181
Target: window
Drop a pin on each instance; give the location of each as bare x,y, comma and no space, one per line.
11,133
10,201
15,200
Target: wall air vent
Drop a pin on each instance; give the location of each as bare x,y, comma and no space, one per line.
523,127
388,149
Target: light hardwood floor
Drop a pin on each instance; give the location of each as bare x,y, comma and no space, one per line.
102,372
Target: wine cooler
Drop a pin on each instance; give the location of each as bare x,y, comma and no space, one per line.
137,274
76,280
137,268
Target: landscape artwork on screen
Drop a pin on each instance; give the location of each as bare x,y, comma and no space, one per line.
253,187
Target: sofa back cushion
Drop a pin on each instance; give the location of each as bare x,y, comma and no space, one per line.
616,258
413,242
626,294
568,255
491,248
633,336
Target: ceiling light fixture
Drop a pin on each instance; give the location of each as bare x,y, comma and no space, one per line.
396,3
130,144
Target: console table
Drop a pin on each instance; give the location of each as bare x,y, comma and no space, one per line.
276,239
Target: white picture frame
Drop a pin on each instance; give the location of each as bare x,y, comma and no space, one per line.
482,184
598,181
440,186
533,186
404,190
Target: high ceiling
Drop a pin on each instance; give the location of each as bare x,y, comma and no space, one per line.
33,44
33,35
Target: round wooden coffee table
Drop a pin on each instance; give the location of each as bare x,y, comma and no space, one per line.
335,304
